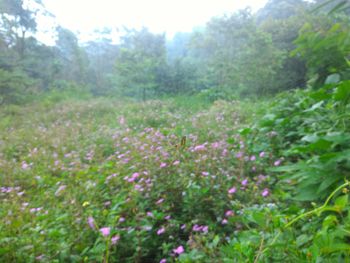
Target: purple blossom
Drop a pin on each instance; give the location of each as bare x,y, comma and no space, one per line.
25,166
224,221
150,214
224,152
215,145
160,201
252,158
205,229
197,228
132,179
162,165
121,120
177,162
229,213
115,239
262,154
105,231
60,189
265,192
160,231
199,148
135,175
205,173
232,190
239,155
245,182
179,250
163,260
91,222
277,163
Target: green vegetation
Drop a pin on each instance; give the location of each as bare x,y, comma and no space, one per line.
228,144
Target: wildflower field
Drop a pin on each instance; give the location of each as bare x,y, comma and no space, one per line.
176,180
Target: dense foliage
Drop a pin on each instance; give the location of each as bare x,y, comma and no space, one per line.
279,48
195,172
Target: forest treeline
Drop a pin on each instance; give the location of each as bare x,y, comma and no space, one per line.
285,45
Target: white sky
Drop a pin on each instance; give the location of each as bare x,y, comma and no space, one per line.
168,16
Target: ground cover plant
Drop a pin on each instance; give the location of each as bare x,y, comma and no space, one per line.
155,182
230,143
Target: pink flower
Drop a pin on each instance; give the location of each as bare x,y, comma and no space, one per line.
150,214
265,192
277,163
121,120
205,173
239,155
122,219
167,217
160,201
197,228
224,152
245,182
224,221
176,162
179,250
25,166
138,187
160,231
162,260
162,165
205,229
183,226
229,213
105,231
135,175
115,239
252,158
91,222
130,180
199,148
262,154
232,190
215,145
60,189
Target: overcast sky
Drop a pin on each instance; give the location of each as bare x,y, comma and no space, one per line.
168,16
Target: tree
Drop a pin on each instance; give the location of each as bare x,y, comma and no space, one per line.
240,56
324,45
102,54
15,22
139,62
72,58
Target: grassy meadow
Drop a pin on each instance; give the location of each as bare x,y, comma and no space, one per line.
173,180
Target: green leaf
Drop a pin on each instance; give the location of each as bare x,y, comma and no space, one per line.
302,240
307,194
334,78
342,201
245,131
329,221
327,183
342,92
315,106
